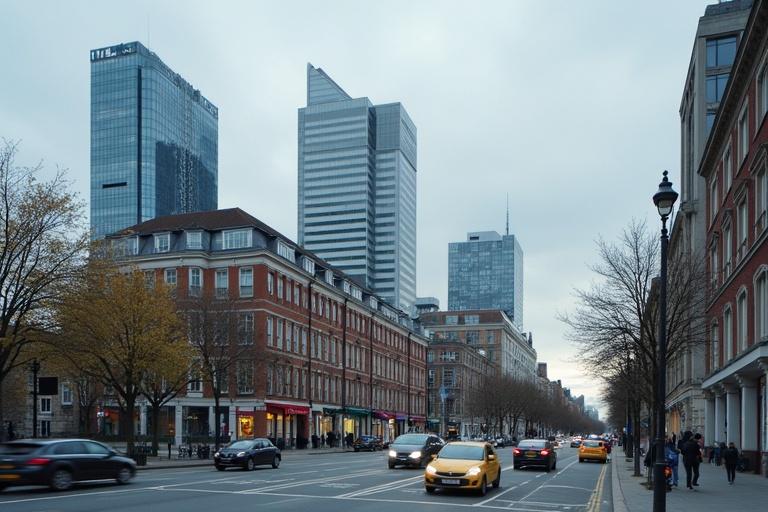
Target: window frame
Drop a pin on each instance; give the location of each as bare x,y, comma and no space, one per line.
162,242
760,304
195,291
245,290
221,291
170,271
189,238
742,129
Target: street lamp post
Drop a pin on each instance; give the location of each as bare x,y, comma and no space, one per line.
664,199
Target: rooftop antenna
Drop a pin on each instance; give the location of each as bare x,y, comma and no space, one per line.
507,213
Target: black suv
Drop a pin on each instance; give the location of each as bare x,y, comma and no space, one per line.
246,454
414,450
60,463
371,443
535,452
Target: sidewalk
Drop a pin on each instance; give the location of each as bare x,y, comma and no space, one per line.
713,494
162,462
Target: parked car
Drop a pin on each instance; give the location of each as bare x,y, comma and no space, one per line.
370,443
60,463
464,465
247,454
575,442
593,449
535,453
413,450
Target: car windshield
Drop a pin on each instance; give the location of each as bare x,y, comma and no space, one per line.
411,439
241,445
458,451
592,444
18,448
532,444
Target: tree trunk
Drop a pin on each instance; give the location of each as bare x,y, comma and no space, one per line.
130,436
636,441
216,414
155,428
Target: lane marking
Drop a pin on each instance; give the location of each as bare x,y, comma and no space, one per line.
262,490
397,484
597,494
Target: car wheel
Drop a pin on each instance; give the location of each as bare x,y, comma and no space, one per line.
517,466
248,465
391,465
554,466
581,460
548,468
430,490
483,487
275,462
61,480
2,487
220,468
357,450
497,482
124,475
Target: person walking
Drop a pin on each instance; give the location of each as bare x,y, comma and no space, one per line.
673,459
691,459
731,457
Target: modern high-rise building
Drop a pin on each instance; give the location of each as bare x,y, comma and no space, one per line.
486,272
154,141
714,49
357,188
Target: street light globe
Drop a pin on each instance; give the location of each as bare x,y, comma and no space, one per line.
665,197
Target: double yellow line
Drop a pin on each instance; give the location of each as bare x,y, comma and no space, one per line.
597,495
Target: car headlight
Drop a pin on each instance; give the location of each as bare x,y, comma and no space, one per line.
415,455
216,455
241,454
431,469
392,453
474,471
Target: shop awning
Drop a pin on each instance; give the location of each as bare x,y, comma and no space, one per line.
331,411
288,409
420,419
382,415
400,416
356,411
433,420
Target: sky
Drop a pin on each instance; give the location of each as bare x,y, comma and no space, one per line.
571,108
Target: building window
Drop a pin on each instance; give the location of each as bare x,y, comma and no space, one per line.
471,319
449,377
761,305
741,321
761,201
727,251
194,240
308,265
170,276
742,225
728,333
270,283
713,199
246,282
743,134
279,287
449,356
727,170
288,335
237,239
45,428
269,331
245,328
721,51
430,356
222,282
713,268
286,251
715,87
279,343
195,281
715,348
66,393
244,377
762,93
451,320
491,338
431,377
45,404
163,242
195,384
149,279
296,293
473,337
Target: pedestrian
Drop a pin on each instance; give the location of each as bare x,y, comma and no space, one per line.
731,457
720,452
691,460
673,459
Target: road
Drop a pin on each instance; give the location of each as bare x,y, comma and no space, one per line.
330,482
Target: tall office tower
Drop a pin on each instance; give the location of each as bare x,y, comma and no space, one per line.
357,188
486,272
154,141
714,48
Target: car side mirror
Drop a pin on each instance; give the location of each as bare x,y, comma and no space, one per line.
433,456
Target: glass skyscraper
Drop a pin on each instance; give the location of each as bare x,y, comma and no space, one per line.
357,187
486,272
154,141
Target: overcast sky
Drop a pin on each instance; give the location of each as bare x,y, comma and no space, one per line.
570,107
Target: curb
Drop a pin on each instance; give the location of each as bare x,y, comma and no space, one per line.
619,502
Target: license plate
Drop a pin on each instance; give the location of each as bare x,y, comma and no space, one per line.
531,454
449,481
6,466
9,477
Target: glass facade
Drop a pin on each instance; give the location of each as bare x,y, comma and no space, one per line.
357,188
154,141
486,272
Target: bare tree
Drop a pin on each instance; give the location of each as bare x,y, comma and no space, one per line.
42,243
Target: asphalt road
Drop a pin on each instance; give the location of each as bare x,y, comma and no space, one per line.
330,482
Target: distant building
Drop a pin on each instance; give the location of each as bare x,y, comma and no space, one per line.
154,141
357,188
592,412
486,272
426,305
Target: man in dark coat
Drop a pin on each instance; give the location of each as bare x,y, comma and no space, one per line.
691,459
731,457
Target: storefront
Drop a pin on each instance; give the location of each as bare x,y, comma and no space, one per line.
401,424
380,426
433,425
287,424
417,424
355,421
246,424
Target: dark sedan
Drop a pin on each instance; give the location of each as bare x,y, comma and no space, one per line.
60,463
535,453
247,454
371,443
413,450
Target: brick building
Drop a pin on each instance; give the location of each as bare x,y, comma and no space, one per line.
321,353
734,165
